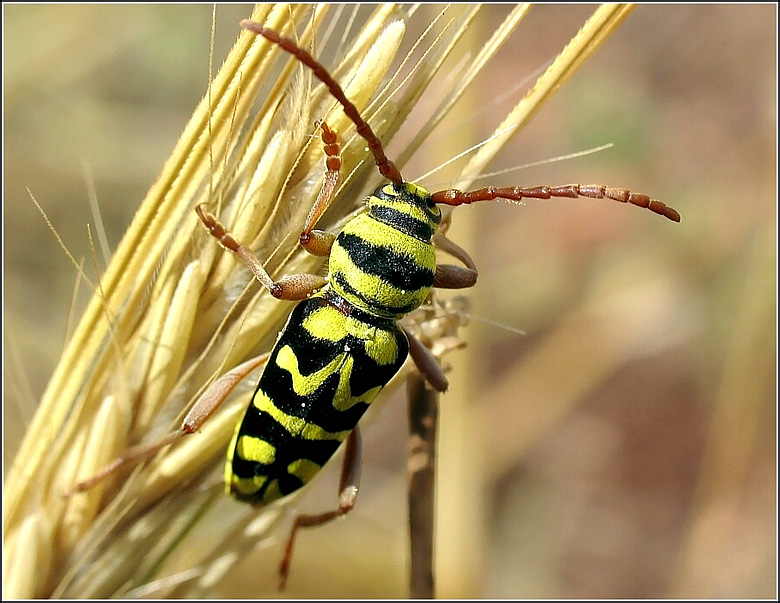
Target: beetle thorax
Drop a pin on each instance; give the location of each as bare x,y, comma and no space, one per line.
383,261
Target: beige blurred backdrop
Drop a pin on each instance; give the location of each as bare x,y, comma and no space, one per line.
625,446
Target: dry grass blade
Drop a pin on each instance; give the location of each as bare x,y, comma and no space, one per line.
423,420
486,53
588,39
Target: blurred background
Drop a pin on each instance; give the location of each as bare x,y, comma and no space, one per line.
625,445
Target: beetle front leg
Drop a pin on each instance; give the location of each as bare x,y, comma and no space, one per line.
319,242
293,287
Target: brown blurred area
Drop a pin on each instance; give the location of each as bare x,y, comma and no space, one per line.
626,445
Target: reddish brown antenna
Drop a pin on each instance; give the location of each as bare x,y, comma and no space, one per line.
386,167
455,197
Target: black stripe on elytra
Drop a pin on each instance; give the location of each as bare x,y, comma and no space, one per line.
397,269
289,448
317,407
312,352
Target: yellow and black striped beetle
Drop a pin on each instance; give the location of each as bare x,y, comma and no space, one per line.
342,344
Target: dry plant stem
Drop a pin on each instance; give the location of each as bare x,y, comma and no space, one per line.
421,468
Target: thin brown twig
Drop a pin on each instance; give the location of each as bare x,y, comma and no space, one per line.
421,467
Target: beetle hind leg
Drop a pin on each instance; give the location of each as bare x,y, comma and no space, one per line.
348,489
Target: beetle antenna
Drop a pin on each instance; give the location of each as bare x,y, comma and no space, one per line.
386,167
455,197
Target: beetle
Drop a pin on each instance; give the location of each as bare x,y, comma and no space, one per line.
342,343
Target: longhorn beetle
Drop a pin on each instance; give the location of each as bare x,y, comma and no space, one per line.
342,343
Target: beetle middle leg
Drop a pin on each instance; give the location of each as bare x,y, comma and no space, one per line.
293,287
203,408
